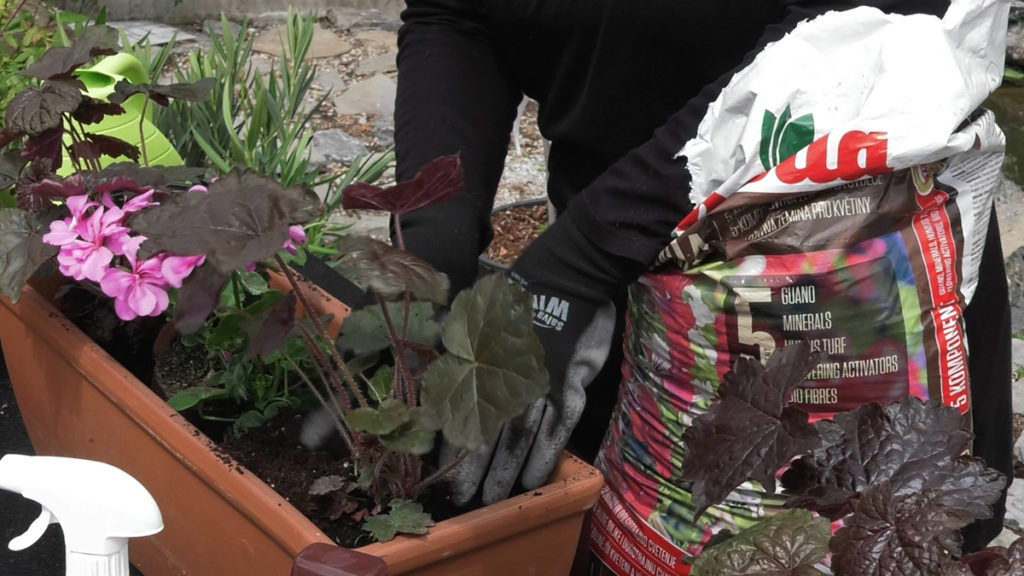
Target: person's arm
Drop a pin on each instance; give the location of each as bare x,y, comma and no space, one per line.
610,234
455,95
625,217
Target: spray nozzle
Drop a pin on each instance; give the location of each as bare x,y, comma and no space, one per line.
98,506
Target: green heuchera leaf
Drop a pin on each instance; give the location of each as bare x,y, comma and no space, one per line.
493,368
751,433
405,518
189,397
381,420
21,250
391,272
789,543
415,436
365,331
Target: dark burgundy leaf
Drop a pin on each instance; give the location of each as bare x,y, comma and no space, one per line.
96,145
437,182
198,297
391,272
243,218
35,110
132,176
7,136
35,173
61,61
48,144
270,332
162,93
93,111
869,445
997,561
11,164
749,434
891,534
57,188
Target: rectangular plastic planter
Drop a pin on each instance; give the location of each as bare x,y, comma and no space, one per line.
219,518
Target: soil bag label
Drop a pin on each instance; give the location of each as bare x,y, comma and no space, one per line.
842,199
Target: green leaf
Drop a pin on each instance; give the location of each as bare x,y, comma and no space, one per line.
253,283
493,368
789,543
365,330
193,396
415,437
379,421
390,272
243,218
21,250
405,518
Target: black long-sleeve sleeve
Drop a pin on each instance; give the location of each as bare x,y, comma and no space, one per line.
455,95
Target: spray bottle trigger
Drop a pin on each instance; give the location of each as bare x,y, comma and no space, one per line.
34,533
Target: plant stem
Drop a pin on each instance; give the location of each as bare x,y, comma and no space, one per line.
12,16
325,364
315,319
398,231
142,134
399,351
339,425
441,473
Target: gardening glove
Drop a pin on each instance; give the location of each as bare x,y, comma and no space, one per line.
572,283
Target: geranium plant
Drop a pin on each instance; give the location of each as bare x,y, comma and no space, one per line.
160,242
897,477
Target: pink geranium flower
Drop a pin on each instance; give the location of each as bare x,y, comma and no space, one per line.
99,235
296,237
140,292
64,231
176,268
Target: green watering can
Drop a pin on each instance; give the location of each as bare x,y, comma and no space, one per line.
99,83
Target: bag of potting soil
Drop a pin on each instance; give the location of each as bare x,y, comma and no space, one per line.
844,182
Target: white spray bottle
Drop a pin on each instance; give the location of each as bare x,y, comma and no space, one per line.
98,506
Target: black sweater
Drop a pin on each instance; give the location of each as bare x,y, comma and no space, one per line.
622,85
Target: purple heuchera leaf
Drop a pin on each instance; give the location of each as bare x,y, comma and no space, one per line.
61,61
391,272
908,534
437,182
789,543
35,110
750,434
45,145
997,561
869,445
269,333
162,93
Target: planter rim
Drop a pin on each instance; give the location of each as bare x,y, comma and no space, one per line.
573,488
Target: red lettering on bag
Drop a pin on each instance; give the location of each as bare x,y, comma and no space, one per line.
859,154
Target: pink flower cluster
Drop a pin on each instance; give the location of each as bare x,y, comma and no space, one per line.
95,234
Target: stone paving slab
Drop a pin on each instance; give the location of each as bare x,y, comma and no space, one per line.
375,95
325,43
159,34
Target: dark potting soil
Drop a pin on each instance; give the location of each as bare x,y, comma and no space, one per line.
514,229
272,451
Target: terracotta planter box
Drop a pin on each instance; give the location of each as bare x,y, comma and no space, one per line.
219,518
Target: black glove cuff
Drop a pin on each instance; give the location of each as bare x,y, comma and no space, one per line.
564,262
